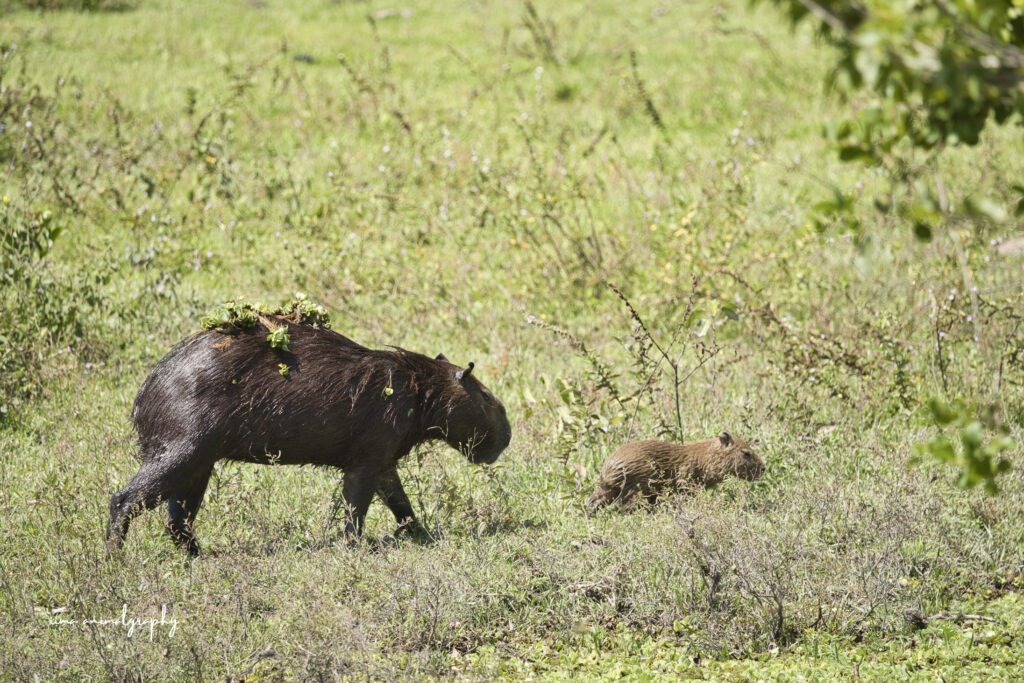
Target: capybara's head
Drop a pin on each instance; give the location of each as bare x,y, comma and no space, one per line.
476,424
737,458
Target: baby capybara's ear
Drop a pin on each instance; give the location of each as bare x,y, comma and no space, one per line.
463,374
725,438
441,356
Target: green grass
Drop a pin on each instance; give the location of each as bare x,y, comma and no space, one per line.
988,649
467,181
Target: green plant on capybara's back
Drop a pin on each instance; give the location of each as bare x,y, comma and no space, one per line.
241,314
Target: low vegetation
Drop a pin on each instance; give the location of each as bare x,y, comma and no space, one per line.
614,211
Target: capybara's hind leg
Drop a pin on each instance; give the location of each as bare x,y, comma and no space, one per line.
120,518
181,514
141,493
357,489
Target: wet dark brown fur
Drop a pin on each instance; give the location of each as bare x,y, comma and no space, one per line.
220,394
648,468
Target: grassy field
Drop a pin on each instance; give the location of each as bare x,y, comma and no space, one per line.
468,178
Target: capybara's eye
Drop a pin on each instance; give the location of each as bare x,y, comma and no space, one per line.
748,454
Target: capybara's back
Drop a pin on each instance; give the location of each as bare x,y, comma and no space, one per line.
648,468
219,395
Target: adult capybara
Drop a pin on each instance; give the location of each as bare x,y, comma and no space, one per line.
647,468
326,400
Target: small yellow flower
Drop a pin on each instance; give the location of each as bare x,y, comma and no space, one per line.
7,200
211,160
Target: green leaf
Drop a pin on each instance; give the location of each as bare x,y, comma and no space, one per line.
565,391
941,412
983,207
941,449
856,153
972,437
1002,443
279,338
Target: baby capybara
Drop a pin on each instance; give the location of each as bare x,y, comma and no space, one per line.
647,468
326,400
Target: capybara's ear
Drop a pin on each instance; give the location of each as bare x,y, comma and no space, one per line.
441,356
463,374
725,438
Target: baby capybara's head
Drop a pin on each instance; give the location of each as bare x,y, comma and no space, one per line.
476,423
736,457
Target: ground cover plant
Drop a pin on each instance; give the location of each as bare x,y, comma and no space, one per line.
615,210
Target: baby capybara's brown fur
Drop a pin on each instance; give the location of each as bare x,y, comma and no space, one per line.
325,401
647,468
